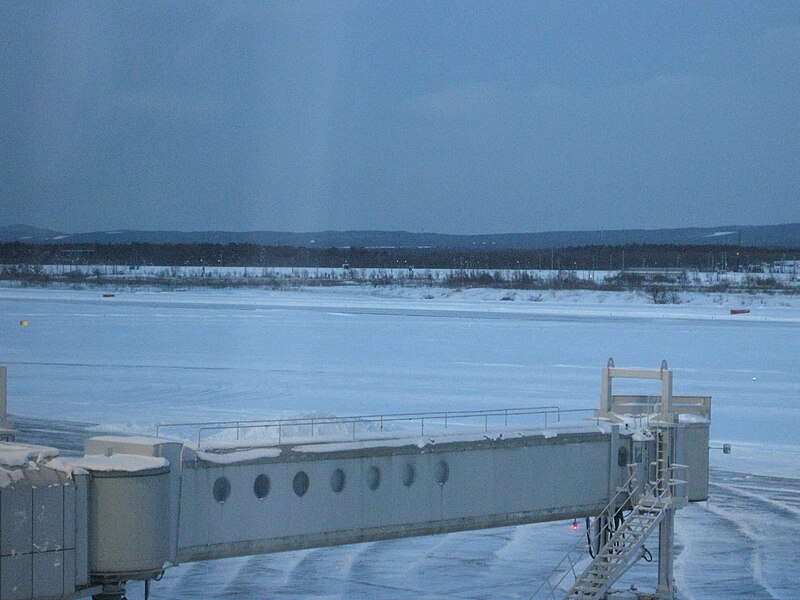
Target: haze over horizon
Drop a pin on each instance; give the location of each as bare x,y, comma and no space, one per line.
459,118
725,229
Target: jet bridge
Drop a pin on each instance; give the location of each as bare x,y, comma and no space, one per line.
134,506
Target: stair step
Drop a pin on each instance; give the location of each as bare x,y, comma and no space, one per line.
587,588
601,572
609,556
599,576
615,555
603,569
629,534
613,551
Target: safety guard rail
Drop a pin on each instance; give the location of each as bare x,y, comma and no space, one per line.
493,417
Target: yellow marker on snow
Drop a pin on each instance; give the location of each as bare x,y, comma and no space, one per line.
23,323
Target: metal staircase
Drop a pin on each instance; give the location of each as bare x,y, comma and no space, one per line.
571,566
621,551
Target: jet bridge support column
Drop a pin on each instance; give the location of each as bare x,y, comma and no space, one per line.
666,542
112,591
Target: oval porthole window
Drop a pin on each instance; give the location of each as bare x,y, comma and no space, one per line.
338,480
409,474
442,472
373,478
222,489
300,483
261,486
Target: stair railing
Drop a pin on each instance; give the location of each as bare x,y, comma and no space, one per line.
657,496
569,564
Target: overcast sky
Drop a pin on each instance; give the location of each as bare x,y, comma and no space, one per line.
450,117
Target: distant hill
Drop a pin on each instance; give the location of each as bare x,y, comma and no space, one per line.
785,236
26,233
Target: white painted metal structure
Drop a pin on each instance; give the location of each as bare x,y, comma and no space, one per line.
6,430
133,506
652,505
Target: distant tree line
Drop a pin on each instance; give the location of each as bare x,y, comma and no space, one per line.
633,256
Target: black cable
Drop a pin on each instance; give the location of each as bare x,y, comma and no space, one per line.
646,554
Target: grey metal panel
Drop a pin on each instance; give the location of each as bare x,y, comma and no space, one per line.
172,451
69,573
3,396
48,575
48,518
69,515
15,518
696,435
81,529
16,577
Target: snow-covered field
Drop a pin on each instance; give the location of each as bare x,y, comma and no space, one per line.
136,359
783,273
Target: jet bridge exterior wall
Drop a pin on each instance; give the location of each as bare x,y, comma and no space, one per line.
696,439
389,492
42,543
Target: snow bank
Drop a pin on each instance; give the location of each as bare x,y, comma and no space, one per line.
236,456
125,463
18,455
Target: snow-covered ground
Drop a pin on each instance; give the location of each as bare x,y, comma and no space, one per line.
133,360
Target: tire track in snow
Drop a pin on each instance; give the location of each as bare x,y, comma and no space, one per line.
717,559
197,581
739,522
780,507
311,574
758,514
326,572
388,564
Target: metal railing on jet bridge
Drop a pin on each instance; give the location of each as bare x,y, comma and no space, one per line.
377,422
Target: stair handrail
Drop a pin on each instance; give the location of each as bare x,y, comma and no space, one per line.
627,489
664,489
667,484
